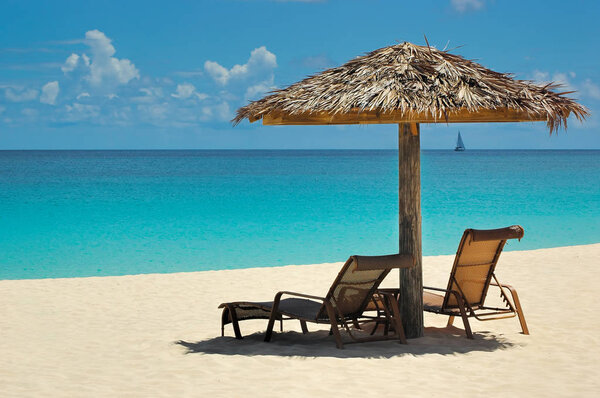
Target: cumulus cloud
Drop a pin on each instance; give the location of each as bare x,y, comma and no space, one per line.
20,95
564,79
49,93
154,111
152,91
465,5
586,88
104,66
151,94
590,89
187,90
219,112
184,90
259,89
102,69
260,60
79,112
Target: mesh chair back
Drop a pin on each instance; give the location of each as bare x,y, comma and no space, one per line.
358,279
475,262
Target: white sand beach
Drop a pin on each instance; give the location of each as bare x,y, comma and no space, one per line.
159,335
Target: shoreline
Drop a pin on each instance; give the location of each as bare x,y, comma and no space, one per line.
159,335
506,250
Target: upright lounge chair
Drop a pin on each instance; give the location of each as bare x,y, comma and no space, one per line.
471,276
345,302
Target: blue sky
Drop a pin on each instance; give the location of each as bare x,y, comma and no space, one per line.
147,74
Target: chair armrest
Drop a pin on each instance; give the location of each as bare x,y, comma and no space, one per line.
437,289
328,304
509,287
279,294
457,295
391,290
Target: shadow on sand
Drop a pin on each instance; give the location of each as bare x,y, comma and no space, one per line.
441,341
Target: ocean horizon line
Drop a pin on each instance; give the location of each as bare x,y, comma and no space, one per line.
293,150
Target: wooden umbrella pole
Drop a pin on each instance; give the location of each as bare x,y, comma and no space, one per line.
409,212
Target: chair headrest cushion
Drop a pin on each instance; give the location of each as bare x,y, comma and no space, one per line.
369,263
512,232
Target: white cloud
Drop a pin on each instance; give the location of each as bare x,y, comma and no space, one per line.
29,112
217,72
218,112
564,79
184,90
20,95
154,111
83,95
49,93
589,89
540,76
77,111
151,94
259,89
260,60
187,90
70,63
75,61
465,5
152,91
102,68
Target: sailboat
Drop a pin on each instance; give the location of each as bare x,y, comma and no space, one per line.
459,144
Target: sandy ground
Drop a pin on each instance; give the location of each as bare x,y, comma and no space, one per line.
159,335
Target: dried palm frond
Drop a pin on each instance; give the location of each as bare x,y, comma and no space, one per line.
413,79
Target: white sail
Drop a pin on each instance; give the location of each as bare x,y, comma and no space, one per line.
460,146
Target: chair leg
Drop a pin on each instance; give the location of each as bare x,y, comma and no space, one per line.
355,323
465,320
450,321
334,327
303,326
224,318
396,318
271,323
234,323
519,309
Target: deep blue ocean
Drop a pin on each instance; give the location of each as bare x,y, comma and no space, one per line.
93,213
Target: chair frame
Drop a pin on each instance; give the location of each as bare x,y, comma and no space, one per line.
335,318
330,312
466,310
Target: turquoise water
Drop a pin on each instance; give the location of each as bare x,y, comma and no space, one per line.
88,213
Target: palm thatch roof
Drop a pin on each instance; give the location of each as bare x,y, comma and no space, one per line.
406,82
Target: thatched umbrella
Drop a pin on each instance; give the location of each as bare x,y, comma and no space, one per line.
409,84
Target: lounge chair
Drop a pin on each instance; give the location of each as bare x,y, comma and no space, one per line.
471,276
345,302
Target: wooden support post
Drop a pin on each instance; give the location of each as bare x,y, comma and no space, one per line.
409,212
